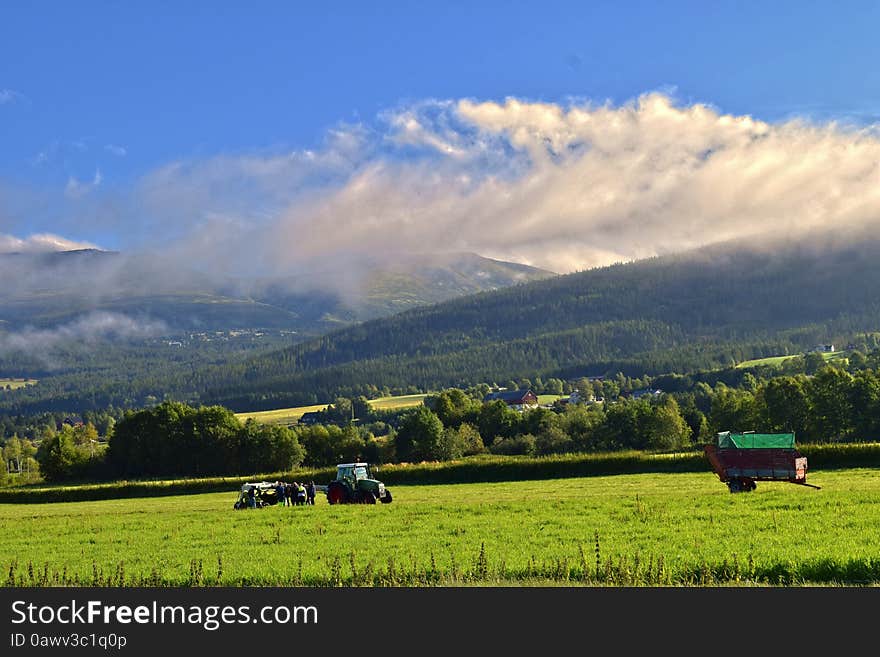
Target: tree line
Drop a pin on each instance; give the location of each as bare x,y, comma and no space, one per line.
170,439
818,401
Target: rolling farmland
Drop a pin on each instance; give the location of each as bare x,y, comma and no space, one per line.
287,416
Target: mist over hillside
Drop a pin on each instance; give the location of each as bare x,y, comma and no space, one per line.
51,289
661,314
704,308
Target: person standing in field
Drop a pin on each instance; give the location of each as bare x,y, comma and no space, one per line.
310,493
280,489
301,494
288,490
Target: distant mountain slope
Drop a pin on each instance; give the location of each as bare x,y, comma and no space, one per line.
372,287
52,288
666,311
698,310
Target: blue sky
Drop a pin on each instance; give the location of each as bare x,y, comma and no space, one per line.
97,96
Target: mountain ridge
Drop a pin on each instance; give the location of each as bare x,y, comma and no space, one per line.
47,289
701,306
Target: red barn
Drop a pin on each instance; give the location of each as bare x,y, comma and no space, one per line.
518,399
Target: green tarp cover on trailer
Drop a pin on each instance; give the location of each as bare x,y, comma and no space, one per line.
728,440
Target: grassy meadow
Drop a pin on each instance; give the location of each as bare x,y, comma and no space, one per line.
283,416
14,384
394,403
639,529
778,360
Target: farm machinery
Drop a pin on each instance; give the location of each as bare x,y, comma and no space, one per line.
355,484
263,493
741,459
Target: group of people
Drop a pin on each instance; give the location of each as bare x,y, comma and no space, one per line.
295,493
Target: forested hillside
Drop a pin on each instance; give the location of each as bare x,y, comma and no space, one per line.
699,310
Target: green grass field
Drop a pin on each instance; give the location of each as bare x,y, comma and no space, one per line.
292,415
16,383
667,529
778,360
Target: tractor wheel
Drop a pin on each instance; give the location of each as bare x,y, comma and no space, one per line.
387,498
336,493
367,497
734,485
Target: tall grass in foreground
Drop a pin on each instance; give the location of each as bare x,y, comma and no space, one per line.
580,569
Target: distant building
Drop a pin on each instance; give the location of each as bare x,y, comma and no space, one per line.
518,399
312,417
824,348
71,421
575,398
591,379
645,392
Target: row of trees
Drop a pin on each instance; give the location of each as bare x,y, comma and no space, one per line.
833,405
456,425
170,439
173,438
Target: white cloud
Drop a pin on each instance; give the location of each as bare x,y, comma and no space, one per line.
229,196
115,149
426,124
560,186
40,243
570,187
10,96
77,189
87,330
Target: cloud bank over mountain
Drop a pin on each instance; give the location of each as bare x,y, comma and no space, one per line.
559,186
86,331
40,243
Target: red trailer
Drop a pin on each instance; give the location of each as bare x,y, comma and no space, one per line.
741,459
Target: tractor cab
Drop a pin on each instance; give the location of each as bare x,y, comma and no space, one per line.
353,472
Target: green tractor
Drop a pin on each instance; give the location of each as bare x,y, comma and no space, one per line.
354,484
